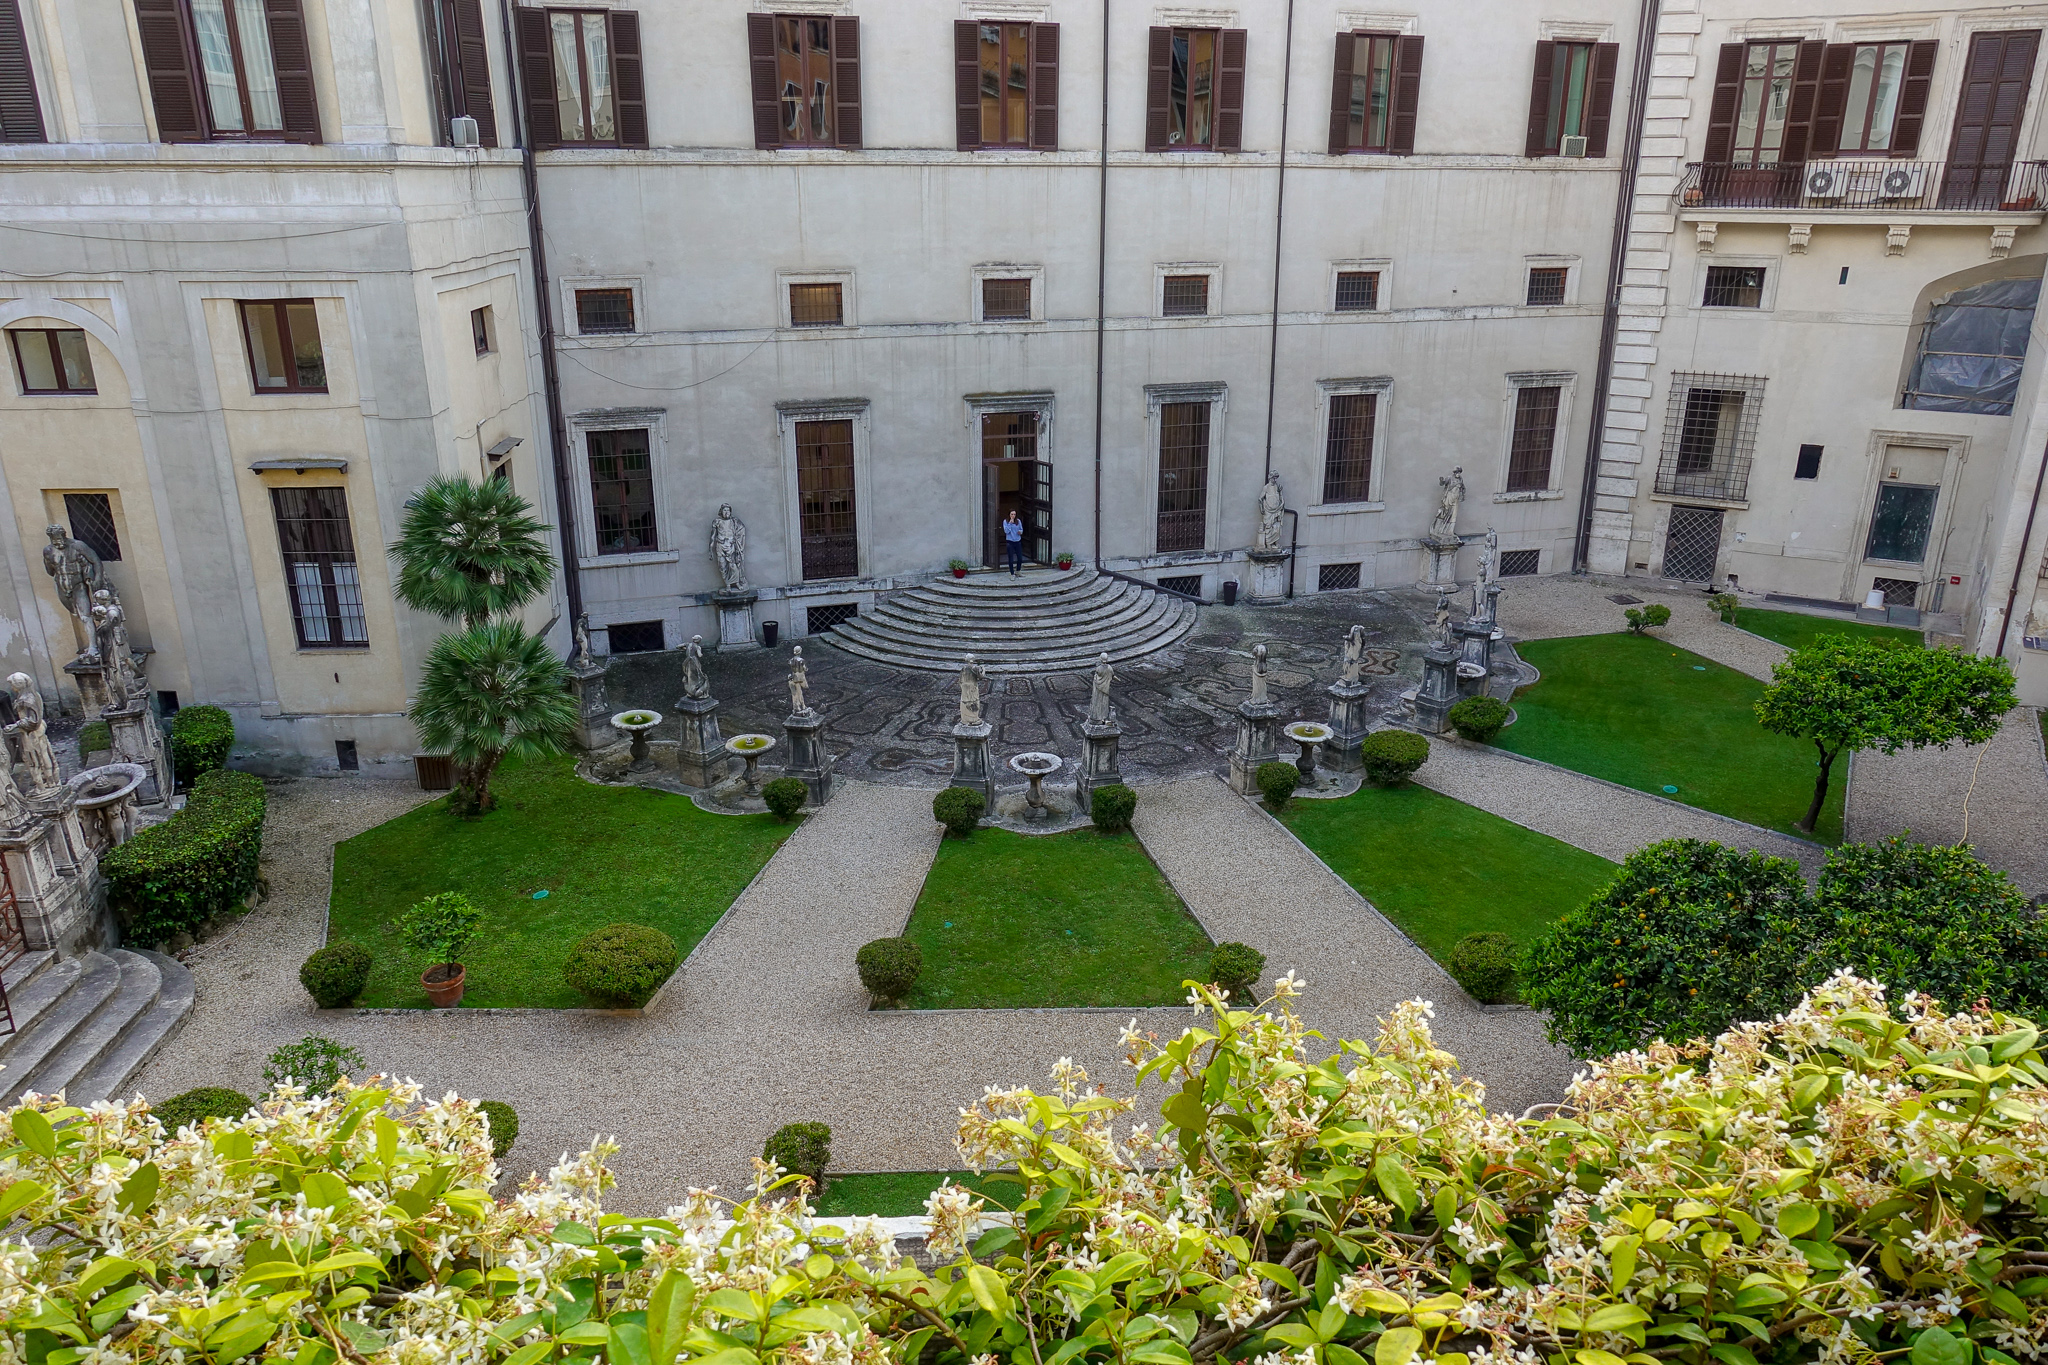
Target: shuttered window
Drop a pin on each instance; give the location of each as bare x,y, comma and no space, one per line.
1375,92
1873,98
283,339
462,67
1762,113
229,69
21,114
806,80
583,76
1006,85
1194,94
1572,96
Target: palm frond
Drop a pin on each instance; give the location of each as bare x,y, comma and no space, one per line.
491,692
469,551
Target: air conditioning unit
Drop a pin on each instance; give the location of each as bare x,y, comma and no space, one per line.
462,131
1906,180
1571,146
1827,180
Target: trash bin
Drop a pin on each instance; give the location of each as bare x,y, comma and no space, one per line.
1230,592
769,631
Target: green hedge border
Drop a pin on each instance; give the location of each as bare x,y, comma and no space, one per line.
201,863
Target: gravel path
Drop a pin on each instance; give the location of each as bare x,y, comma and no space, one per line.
1925,792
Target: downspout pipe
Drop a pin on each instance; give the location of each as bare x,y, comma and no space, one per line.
1101,276
2019,567
551,379
1279,226
1617,257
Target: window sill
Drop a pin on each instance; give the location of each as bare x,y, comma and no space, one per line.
1726,504
1530,495
627,560
1901,565
1338,509
363,648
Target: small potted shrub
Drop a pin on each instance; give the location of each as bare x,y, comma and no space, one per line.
1479,719
801,1149
1484,964
335,975
1647,618
1065,559
1236,968
785,797
1725,605
1277,782
959,809
1390,757
889,967
959,567
1110,807
438,929
503,1123
621,966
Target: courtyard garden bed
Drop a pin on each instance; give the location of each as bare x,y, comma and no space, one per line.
901,1194
1796,630
603,855
1017,921
1441,869
1640,712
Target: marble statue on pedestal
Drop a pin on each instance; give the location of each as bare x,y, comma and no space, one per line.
1440,622
1258,696
1489,569
110,630
1444,525
28,727
1271,508
729,547
581,657
799,681
1100,710
695,685
1354,656
973,683
78,574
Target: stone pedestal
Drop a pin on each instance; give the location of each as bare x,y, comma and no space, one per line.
1440,564
593,707
736,619
137,740
55,876
1098,764
970,762
90,679
1439,690
1269,576
1475,645
701,757
1349,723
805,758
1258,741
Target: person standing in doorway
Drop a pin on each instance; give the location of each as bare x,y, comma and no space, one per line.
1013,543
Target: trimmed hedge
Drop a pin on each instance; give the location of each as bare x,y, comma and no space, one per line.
1484,964
1392,756
200,739
1277,782
195,1106
1479,719
504,1124
336,974
786,796
1236,967
199,864
621,965
1110,807
959,809
889,967
801,1149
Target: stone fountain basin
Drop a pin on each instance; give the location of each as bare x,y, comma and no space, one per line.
106,784
744,745
1309,732
1036,765
620,722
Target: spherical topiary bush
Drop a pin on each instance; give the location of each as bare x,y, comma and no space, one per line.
1110,807
1236,968
196,1106
786,796
958,809
1479,719
1484,964
1392,756
621,965
801,1149
336,974
1277,782
889,967
504,1125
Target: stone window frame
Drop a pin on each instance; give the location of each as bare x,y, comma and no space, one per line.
860,412
1570,264
1004,270
1382,386
1566,383
1772,266
849,314
580,425
1216,393
1212,269
1383,266
574,336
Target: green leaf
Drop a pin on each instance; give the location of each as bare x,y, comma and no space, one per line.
1278,1274
35,1133
628,1345
1730,1354
367,1339
387,1140
1397,1347
1622,1260
994,1240
1396,1184
988,1290
138,1191
19,1196
732,1303
104,1272
575,1234
1936,1347
529,1353
1293,1333
1592,1356
668,1316
1330,1320
1336,1354
731,1355
1049,1207
1162,1351
1796,1220
1615,1317
325,1190
587,1334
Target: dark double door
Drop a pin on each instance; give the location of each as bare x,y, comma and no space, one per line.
1014,479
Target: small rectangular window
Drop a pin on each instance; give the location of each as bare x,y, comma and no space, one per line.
1534,438
1809,463
480,330
320,567
1006,300
1734,286
1546,286
1337,577
1358,291
92,520
52,360
622,491
818,620
1186,584
1347,450
284,346
1185,296
1518,563
345,756
599,311
817,305
635,637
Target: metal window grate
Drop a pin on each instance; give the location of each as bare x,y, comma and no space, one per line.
1898,592
604,310
1710,436
818,620
1692,544
1187,585
816,305
1347,456
622,491
320,567
1006,300
824,485
1546,286
1337,577
1185,296
92,520
1534,438
1358,291
635,637
1183,476
1519,563
1734,286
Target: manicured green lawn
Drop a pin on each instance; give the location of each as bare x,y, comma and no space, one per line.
901,1194
1796,630
1636,710
1442,869
604,855
1014,921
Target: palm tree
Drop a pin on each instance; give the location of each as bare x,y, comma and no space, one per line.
469,551
490,693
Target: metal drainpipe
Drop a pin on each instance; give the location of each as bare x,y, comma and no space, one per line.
1617,255
551,381
1101,278
2019,567
1279,225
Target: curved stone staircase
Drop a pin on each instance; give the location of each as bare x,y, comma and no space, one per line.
86,1024
1044,621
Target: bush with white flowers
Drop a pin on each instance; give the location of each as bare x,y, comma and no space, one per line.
1857,1181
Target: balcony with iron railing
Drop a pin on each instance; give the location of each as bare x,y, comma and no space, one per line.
1874,190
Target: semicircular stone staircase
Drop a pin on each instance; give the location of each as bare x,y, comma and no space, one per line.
1043,621
86,1024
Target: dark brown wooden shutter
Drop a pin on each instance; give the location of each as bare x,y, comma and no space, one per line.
967,84
293,57
1230,48
767,97
1045,87
1340,95
1407,94
1913,98
1805,95
1538,143
1159,91
846,81
21,114
629,78
1833,98
1721,113
537,77
1996,76
173,76
1600,100
473,69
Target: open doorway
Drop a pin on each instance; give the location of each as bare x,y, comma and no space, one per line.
1014,479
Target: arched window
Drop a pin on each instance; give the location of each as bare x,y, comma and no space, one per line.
1972,347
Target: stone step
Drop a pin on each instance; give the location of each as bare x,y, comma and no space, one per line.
997,585
1130,605
24,969
1096,595
1064,635
143,1038
87,986
137,987
1169,631
41,986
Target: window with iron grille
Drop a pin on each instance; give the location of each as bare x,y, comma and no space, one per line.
818,620
1337,577
1183,476
1185,296
52,360
635,637
92,520
1519,563
320,567
1546,286
283,337
830,534
1358,291
1347,452
1898,592
1006,300
816,305
622,491
1734,286
1709,436
599,311
1188,585
1534,438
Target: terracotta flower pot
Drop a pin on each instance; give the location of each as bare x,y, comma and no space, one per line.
959,573
445,991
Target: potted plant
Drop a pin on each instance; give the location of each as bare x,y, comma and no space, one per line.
958,566
1065,559
439,928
